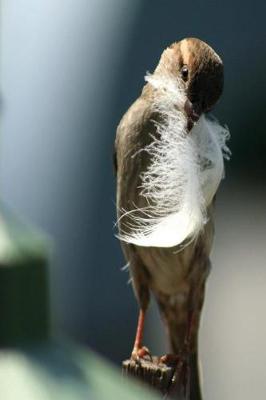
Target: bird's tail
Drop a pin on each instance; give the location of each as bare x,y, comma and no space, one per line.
183,329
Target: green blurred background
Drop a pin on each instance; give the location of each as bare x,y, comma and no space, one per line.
69,70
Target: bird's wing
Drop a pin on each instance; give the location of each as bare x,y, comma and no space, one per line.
114,160
134,133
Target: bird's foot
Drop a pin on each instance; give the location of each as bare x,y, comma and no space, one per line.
169,359
141,353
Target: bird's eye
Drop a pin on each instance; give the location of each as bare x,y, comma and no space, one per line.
184,72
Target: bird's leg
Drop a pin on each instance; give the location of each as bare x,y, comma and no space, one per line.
140,351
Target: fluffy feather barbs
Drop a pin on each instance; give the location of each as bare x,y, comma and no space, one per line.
183,174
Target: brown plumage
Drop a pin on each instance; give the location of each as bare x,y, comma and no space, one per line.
176,276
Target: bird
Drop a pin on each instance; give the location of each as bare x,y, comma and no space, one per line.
169,160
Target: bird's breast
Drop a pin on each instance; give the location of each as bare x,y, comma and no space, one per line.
172,269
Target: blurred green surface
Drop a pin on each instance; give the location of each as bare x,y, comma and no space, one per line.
63,371
32,366
24,314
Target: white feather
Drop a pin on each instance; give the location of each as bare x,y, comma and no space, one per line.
183,176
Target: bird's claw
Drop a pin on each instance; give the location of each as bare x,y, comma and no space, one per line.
141,353
169,359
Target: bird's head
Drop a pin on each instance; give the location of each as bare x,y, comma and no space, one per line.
200,72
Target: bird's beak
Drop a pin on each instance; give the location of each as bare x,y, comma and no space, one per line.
193,113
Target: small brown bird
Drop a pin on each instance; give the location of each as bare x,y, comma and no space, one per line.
169,163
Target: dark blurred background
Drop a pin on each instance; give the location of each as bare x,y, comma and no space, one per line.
69,70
